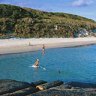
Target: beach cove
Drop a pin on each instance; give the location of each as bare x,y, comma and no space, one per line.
69,60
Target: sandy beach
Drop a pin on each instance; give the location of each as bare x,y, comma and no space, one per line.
25,45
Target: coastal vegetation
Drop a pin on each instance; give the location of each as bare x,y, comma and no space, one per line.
16,21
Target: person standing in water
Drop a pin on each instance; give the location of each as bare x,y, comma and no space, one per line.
36,63
43,49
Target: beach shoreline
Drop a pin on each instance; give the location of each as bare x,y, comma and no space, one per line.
9,46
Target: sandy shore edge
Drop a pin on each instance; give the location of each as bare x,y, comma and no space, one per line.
26,45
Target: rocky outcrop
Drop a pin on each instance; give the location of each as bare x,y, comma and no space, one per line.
55,88
66,92
49,85
17,88
7,86
22,92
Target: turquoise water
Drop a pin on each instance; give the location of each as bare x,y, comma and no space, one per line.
67,64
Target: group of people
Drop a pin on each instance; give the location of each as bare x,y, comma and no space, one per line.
36,64
37,60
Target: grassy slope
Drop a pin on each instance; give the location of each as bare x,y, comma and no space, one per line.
26,22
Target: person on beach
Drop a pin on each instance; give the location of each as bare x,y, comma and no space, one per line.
36,63
29,44
43,49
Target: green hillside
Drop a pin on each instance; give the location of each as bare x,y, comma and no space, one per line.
25,22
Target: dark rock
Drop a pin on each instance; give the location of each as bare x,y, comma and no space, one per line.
7,86
38,83
82,85
62,87
22,92
56,88
53,92
49,85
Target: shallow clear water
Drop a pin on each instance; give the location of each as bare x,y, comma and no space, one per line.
67,64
